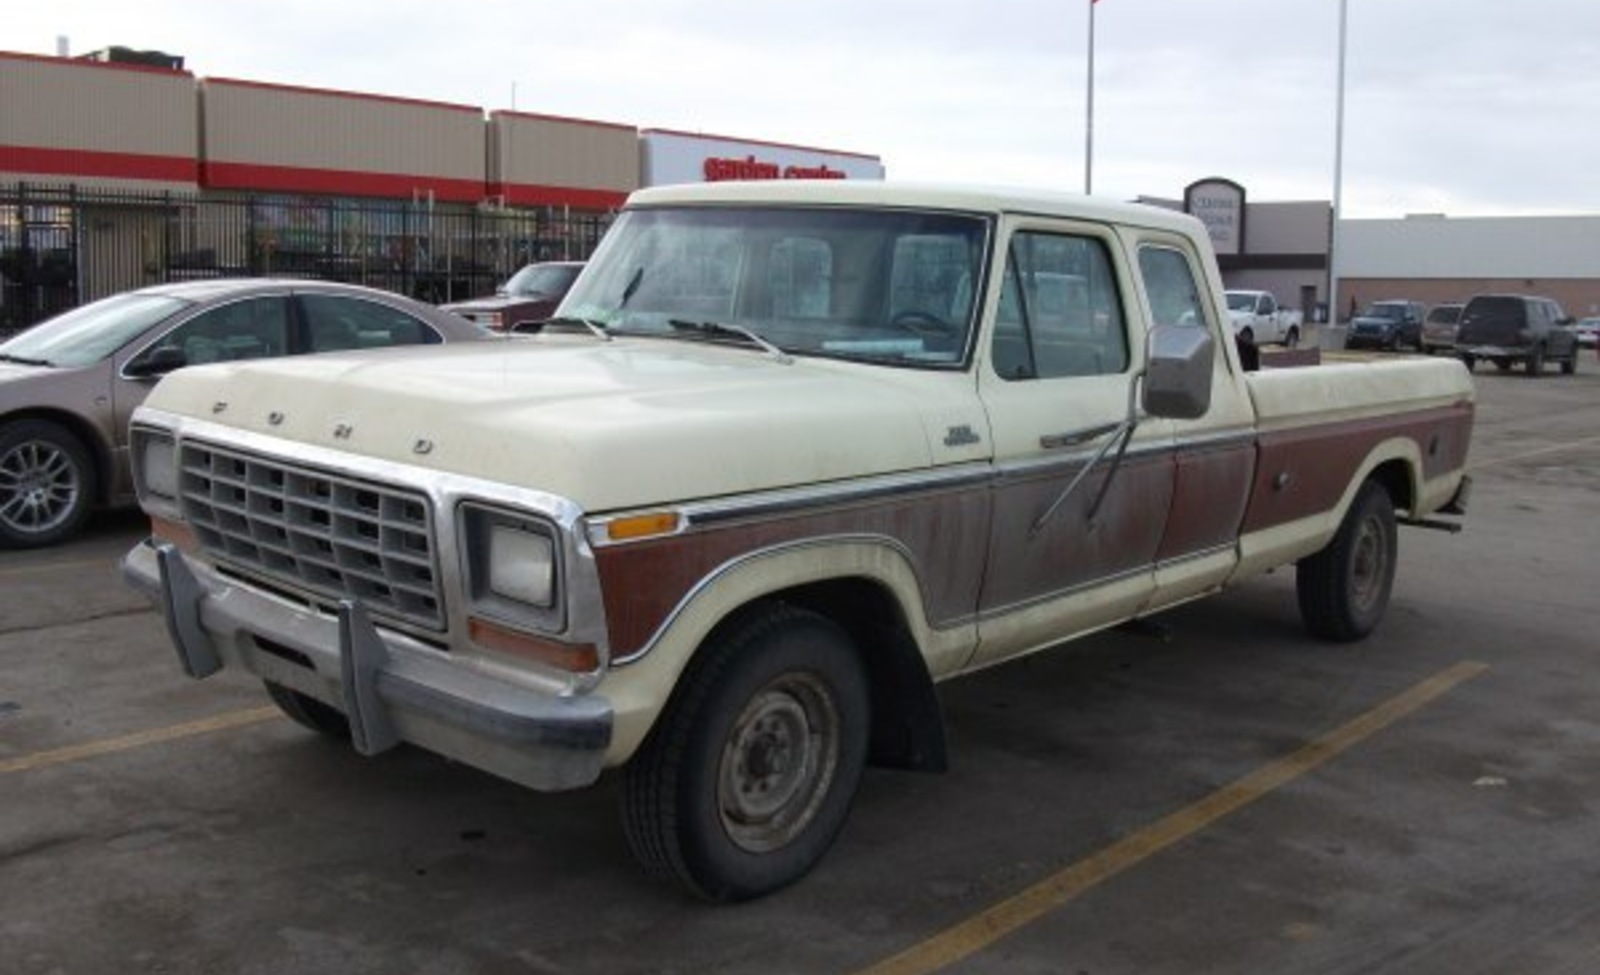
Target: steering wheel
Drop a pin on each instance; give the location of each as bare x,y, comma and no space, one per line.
922,323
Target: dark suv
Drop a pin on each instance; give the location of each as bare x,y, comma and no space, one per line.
531,295
1387,325
1507,329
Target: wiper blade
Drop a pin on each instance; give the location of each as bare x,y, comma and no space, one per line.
595,328
724,330
24,360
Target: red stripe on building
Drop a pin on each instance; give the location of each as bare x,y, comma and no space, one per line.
88,162
337,182
529,194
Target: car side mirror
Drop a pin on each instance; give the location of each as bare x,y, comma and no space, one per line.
1177,383
158,362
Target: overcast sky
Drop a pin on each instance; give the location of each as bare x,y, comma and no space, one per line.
1465,107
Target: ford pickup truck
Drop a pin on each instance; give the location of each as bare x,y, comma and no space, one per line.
790,456
1258,319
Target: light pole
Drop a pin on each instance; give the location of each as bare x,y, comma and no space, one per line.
1088,129
1338,173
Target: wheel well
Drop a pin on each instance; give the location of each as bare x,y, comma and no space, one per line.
99,451
1395,477
907,722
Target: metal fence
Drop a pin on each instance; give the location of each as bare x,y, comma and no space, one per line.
61,246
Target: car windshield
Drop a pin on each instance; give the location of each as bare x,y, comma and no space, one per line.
1395,312
541,280
89,334
894,286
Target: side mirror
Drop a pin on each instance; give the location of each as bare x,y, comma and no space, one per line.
1177,382
157,362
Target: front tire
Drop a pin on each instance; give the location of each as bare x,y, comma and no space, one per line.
748,776
1344,589
47,484
1535,362
1292,338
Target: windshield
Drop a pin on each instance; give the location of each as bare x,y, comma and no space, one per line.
1393,312
541,280
1241,301
89,334
887,285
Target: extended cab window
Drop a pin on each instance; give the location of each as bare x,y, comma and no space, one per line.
1060,313
1170,285
890,286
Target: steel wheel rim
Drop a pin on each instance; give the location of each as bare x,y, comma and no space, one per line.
1367,564
39,486
778,763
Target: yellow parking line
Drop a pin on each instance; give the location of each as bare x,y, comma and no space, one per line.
108,563
989,926
139,739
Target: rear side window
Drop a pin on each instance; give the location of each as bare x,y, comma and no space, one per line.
1495,310
335,322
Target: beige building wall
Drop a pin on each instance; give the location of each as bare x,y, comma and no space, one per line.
90,122
269,137
542,159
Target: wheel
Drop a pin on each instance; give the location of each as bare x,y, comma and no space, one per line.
1292,338
1535,363
1344,589
1469,361
1502,364
309,712
47,484
1569,365
747,778
1247,335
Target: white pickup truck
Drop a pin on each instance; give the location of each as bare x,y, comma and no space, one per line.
1258,319
793,454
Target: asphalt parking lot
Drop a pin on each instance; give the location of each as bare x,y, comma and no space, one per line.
1215,793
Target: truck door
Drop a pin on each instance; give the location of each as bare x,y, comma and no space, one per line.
1056,378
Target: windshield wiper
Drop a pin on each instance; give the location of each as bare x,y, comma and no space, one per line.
24,360
723,330
595,328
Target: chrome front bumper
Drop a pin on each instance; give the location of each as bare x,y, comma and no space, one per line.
392,688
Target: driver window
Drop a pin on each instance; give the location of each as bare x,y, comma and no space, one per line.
1060,313
248,329
1169,283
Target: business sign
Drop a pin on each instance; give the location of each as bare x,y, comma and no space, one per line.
1219,204
683,157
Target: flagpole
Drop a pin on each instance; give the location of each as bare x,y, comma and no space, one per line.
1338,174
1088,130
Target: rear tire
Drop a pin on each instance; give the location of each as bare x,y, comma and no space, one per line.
1535,362
747,777
1344,589
1292,338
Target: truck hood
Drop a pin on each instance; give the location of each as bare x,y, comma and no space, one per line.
605,424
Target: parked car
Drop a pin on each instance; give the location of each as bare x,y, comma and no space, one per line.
1391,325
1508,329
1258,319
1439,328
1587,331
69,384
530,295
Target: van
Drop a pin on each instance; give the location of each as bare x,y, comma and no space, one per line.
1508,329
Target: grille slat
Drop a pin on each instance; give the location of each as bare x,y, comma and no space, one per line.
333,535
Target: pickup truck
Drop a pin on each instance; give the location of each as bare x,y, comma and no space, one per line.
790,455
1258,319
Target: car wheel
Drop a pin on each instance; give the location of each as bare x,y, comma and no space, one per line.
1569,365
1292,339
1344,589
47,484
1535,362
1247,335
747,777
1469,361
1502,364
308,712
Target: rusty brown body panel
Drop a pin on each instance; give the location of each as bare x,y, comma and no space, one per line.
1209,498
1305,471
942,531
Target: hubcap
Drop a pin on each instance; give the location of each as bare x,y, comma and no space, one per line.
39,487
1367,565
778,763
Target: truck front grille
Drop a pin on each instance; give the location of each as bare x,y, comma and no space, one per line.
329,534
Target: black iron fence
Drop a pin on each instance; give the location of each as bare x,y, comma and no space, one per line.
61,246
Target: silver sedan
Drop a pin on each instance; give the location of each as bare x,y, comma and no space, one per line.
68,385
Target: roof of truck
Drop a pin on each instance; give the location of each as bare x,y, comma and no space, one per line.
971,198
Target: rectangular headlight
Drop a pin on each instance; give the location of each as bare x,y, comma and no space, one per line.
522,565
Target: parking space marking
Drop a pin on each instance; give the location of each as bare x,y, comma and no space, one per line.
1524,455
989,926
139,739
31,568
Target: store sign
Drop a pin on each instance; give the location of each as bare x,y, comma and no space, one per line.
718,169
1219,204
